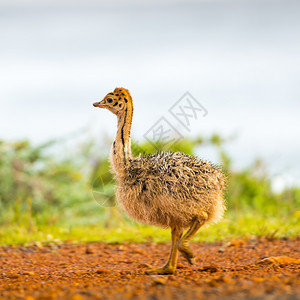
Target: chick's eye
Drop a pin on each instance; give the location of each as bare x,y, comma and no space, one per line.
109,100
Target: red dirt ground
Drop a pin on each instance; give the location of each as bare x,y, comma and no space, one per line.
238,270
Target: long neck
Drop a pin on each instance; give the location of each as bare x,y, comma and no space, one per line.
121,149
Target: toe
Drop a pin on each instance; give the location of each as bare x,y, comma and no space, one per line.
188,255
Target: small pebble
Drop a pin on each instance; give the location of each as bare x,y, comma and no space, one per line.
144,266
171,278
89,250
101,271
158,279
28,273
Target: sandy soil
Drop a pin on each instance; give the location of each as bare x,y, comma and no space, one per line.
238,269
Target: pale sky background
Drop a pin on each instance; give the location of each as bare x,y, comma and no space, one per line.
240,59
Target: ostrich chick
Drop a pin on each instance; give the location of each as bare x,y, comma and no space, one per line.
166,189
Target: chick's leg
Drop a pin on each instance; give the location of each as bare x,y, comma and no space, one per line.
171,265
182,244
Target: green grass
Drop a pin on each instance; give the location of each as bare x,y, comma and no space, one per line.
232,227
47,198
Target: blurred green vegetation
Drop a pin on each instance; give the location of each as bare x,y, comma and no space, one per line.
49,197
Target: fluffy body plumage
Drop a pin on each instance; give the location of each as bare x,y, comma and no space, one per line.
171,189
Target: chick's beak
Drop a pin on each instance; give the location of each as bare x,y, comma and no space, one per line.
98,104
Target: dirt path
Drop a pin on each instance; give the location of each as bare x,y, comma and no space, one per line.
101,271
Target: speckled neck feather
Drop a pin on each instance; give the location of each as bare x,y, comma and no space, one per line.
121,152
